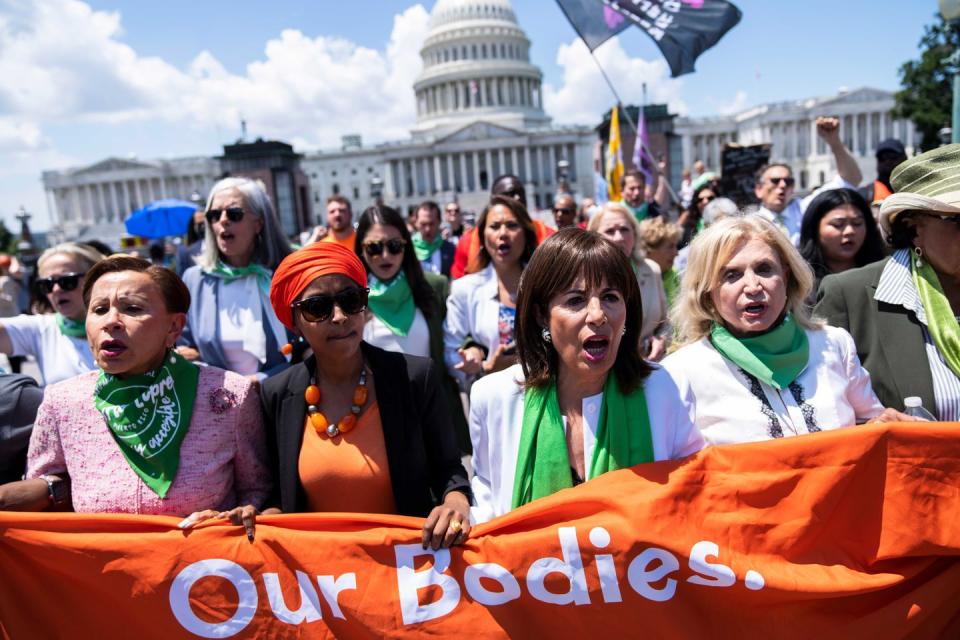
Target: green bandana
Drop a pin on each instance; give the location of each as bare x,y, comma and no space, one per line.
543,465
775,358
148,416
425,249
71,328
941,322
640,213
392,302
229,274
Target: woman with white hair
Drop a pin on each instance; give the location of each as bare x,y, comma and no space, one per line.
231,323
755,363
615,223
58,340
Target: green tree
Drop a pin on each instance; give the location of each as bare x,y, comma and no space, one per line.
927,94
8,243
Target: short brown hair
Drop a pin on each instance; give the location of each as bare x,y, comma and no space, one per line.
431,206
482,259
555,266
633,173
176,296
340,200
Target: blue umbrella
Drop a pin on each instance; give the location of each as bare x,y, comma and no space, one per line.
167,217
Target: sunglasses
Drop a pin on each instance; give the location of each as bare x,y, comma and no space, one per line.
234,214
787,181
377,247
67,282
320,308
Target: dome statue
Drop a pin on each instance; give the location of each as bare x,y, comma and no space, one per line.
476,67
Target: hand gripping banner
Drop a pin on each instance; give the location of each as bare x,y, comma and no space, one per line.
843,534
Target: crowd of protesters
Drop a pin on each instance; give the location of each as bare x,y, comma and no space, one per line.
358,372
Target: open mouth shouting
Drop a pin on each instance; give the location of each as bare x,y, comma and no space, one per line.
596,348
110,349
755,310
503,249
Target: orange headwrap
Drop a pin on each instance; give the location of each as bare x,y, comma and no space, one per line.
303,266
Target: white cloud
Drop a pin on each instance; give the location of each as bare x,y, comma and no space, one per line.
584,95
62,63
738,104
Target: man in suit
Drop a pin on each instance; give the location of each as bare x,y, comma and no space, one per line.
434,253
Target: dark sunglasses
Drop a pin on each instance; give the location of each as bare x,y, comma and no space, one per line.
787,181
234,214
376,247
320,308
67,282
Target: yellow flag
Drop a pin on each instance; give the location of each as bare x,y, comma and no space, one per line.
614,158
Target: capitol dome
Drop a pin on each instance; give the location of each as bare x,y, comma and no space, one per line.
476,66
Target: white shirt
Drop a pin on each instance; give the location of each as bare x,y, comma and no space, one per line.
792,216
415,343
832,391
241,325
59,357
496,421
473,309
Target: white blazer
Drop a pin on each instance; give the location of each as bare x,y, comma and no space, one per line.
832,391
473,309
496,420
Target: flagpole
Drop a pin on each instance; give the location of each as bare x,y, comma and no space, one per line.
636,132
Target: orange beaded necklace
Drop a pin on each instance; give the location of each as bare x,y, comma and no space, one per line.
347,422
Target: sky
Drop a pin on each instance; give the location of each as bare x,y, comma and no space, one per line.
83,81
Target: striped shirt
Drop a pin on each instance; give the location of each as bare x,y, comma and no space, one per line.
896,287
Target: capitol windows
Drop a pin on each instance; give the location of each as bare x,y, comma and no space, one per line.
336,189
483,51
474,51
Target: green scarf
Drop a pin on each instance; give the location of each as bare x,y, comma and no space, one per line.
392,302
71,328
543,465
671,286
425,249
640,213
941,322
776,357
229,274
148,415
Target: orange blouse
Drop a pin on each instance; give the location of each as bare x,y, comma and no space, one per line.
348,473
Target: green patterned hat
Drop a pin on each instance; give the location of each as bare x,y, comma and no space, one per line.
927,182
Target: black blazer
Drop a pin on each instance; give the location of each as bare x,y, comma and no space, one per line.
447,252
889,338
421,448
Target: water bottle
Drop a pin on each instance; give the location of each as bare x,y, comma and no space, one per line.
914,407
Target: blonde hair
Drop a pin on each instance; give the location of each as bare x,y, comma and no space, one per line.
693,313
78,251
654,232
617,207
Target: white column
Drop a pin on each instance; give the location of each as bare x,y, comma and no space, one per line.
402,178
869,141
884,116
482,82
117,212
126,200
514,167
437,181
503,161
813,137
476,171
908,137
451,183
464,182
552,169
539,95
686,150
526,163
388,189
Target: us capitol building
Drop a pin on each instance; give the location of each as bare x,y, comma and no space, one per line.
479,115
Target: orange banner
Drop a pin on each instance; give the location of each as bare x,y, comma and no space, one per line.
851,533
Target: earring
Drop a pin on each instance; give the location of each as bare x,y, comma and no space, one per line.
918,253
623,331
545,334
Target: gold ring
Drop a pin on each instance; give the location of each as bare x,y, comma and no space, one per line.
455,526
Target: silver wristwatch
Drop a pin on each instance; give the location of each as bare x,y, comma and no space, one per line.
58,490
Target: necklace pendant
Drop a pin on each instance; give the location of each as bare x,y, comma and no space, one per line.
333,431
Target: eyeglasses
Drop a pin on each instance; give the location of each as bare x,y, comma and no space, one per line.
376,247
234,214
320,308
787,181
67,282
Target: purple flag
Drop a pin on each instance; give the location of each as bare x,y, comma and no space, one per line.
641,159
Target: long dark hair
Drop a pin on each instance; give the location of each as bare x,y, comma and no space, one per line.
482,259
695,213
384,215
810,248
564,257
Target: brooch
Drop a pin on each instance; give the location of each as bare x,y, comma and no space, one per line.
221,400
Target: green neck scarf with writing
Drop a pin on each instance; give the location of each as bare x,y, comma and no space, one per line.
543,464
425,249
227,273
941,322
776,357
71,328
148,416
392,302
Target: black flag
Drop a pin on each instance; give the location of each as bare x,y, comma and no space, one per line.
682,29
